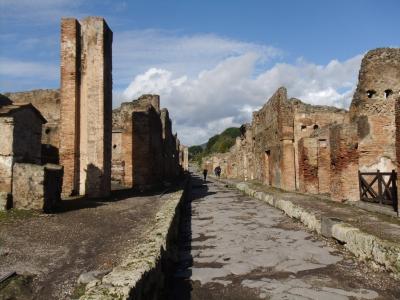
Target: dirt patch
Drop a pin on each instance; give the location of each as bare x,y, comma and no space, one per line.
90,235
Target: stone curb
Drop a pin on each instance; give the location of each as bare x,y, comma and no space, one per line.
364,246
140,268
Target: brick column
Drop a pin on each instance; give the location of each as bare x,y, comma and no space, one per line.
70,102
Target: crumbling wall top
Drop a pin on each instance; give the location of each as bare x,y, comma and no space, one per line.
378,82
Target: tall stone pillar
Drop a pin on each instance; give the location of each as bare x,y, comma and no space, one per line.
96,108
70,104
86,106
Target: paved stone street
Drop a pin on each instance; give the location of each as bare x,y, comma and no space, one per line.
236,247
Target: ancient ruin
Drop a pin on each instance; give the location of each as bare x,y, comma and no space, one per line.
97,200
144,148
70,141
26,181
324,150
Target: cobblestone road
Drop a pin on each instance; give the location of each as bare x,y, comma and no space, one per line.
236,247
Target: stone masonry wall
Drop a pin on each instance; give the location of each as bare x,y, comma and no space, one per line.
149,153
36,187
48,103
308,119
373,107
319,149
308,165
344,163
118,163
20,141
96,108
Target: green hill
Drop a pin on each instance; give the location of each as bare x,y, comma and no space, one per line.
219,143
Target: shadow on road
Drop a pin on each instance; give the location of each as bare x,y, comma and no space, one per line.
117,194
179,284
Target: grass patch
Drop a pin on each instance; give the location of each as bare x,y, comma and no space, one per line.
16,214
17,287
78,291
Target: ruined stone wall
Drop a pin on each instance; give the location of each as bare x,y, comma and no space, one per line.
373,109
118,162
147,147
308,119
324,161
48,103
176,162
36,187
319,149
168,145
149,152
314,161
20,141
397,123
273,142
6,153
308,165
185,164
344,162
27,136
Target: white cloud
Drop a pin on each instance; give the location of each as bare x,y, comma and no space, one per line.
136,52
226,94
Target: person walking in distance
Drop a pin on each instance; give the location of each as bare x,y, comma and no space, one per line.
205,174
218,171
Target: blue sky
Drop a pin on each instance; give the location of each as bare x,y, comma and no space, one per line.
212,62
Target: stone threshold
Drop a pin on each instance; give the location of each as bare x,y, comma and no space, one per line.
369,236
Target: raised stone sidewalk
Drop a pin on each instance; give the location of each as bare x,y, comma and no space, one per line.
370,236
140,275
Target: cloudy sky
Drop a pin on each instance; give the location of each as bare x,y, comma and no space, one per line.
212,61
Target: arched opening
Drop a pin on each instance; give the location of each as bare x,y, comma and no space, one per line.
47,131
303,127
316,127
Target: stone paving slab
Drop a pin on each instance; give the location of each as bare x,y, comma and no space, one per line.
233,246
368,235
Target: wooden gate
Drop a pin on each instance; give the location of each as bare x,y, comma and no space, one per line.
378,187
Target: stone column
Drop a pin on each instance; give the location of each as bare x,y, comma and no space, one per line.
288,172
127,150
70,104
96,108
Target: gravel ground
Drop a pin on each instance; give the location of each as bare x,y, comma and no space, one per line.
53,250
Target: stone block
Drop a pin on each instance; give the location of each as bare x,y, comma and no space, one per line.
37,187
327,224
